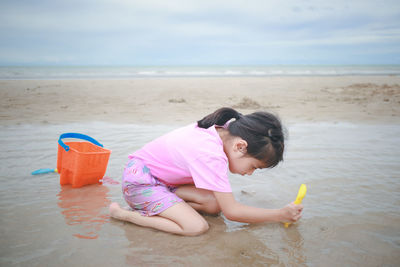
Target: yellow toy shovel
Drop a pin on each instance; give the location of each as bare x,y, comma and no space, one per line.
300,195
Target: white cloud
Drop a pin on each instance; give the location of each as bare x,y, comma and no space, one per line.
112,25
170,15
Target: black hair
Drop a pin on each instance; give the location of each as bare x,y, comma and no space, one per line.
261,130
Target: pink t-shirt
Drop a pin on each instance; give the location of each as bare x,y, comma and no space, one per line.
188,155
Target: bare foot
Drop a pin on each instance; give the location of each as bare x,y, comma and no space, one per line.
116,211
125,215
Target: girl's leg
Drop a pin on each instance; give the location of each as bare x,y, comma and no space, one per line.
199,199
179,219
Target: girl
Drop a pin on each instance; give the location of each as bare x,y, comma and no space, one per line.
171,178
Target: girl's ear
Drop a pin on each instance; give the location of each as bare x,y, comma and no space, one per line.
241,146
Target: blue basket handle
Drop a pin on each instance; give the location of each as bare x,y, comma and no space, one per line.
76,135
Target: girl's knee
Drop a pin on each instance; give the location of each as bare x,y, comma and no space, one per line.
211,205
196,228
188,221
204,200
212,208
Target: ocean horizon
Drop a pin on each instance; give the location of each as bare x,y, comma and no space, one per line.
128,72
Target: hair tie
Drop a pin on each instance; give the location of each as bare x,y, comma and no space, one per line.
270,133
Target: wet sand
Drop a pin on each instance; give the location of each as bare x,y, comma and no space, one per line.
343,143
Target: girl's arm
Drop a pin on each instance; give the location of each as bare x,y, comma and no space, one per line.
236,211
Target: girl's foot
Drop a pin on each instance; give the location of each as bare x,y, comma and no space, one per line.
116,211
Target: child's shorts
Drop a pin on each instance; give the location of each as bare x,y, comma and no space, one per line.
144,192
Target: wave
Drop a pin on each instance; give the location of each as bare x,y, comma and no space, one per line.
10,73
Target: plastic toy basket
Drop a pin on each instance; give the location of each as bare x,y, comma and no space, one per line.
81,163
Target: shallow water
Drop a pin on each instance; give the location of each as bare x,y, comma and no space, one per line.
351,215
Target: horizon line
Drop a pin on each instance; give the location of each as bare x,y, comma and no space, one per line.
196,65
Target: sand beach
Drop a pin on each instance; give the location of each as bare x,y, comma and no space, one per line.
344,135
370,99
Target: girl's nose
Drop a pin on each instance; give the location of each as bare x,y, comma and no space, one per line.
250,172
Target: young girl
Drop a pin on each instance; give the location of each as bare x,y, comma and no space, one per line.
171,178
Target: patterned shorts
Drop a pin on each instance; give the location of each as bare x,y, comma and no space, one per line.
144,192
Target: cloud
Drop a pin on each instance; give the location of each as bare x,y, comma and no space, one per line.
69,30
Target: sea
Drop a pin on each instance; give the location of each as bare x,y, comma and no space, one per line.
128,72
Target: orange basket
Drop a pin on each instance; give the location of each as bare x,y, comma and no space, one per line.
81,163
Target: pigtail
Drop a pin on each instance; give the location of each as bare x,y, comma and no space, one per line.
219,117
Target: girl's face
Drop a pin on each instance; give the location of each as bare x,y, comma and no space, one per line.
245,165
239,161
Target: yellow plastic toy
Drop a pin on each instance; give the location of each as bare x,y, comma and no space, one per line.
300,195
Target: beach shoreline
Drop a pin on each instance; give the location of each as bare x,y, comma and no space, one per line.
358,99
343,134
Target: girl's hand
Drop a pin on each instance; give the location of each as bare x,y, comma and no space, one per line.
291,212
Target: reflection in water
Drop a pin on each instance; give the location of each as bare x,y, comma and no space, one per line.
295,251
85,207
217,247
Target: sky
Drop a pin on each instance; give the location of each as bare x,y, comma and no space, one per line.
198,32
